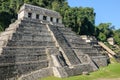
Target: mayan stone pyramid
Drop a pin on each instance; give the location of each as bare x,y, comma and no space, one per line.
38,45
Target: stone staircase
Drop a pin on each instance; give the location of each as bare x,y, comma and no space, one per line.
67,50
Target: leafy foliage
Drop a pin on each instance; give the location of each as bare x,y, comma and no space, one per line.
102,37
1,29
81,20
103,31
117,36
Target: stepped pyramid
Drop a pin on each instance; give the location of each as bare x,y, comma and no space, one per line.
38,45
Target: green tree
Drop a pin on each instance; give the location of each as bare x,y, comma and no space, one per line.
5,19
117,37
105,29
1,28
79,20
55,6
102,37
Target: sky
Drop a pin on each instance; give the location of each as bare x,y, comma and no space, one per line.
107,11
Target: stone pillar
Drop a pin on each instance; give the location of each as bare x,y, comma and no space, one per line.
33,15
41,17
48,18
60,20
54,20
25,14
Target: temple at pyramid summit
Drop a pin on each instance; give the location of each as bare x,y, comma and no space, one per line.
38,45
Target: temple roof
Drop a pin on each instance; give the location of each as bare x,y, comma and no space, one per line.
39,10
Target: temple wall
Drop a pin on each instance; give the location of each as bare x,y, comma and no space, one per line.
40,12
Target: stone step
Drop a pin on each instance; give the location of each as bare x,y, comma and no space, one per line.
32,27
28,37
64,29
32,66
38,74
85,48
23,50
22,58
32,22
22,67
93,54
74,38
27,52
80,45
86,51
22,63
68,33
56,24
36,21
70,39
34,32
31,43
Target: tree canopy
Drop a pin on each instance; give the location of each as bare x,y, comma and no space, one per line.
104,31
117,36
